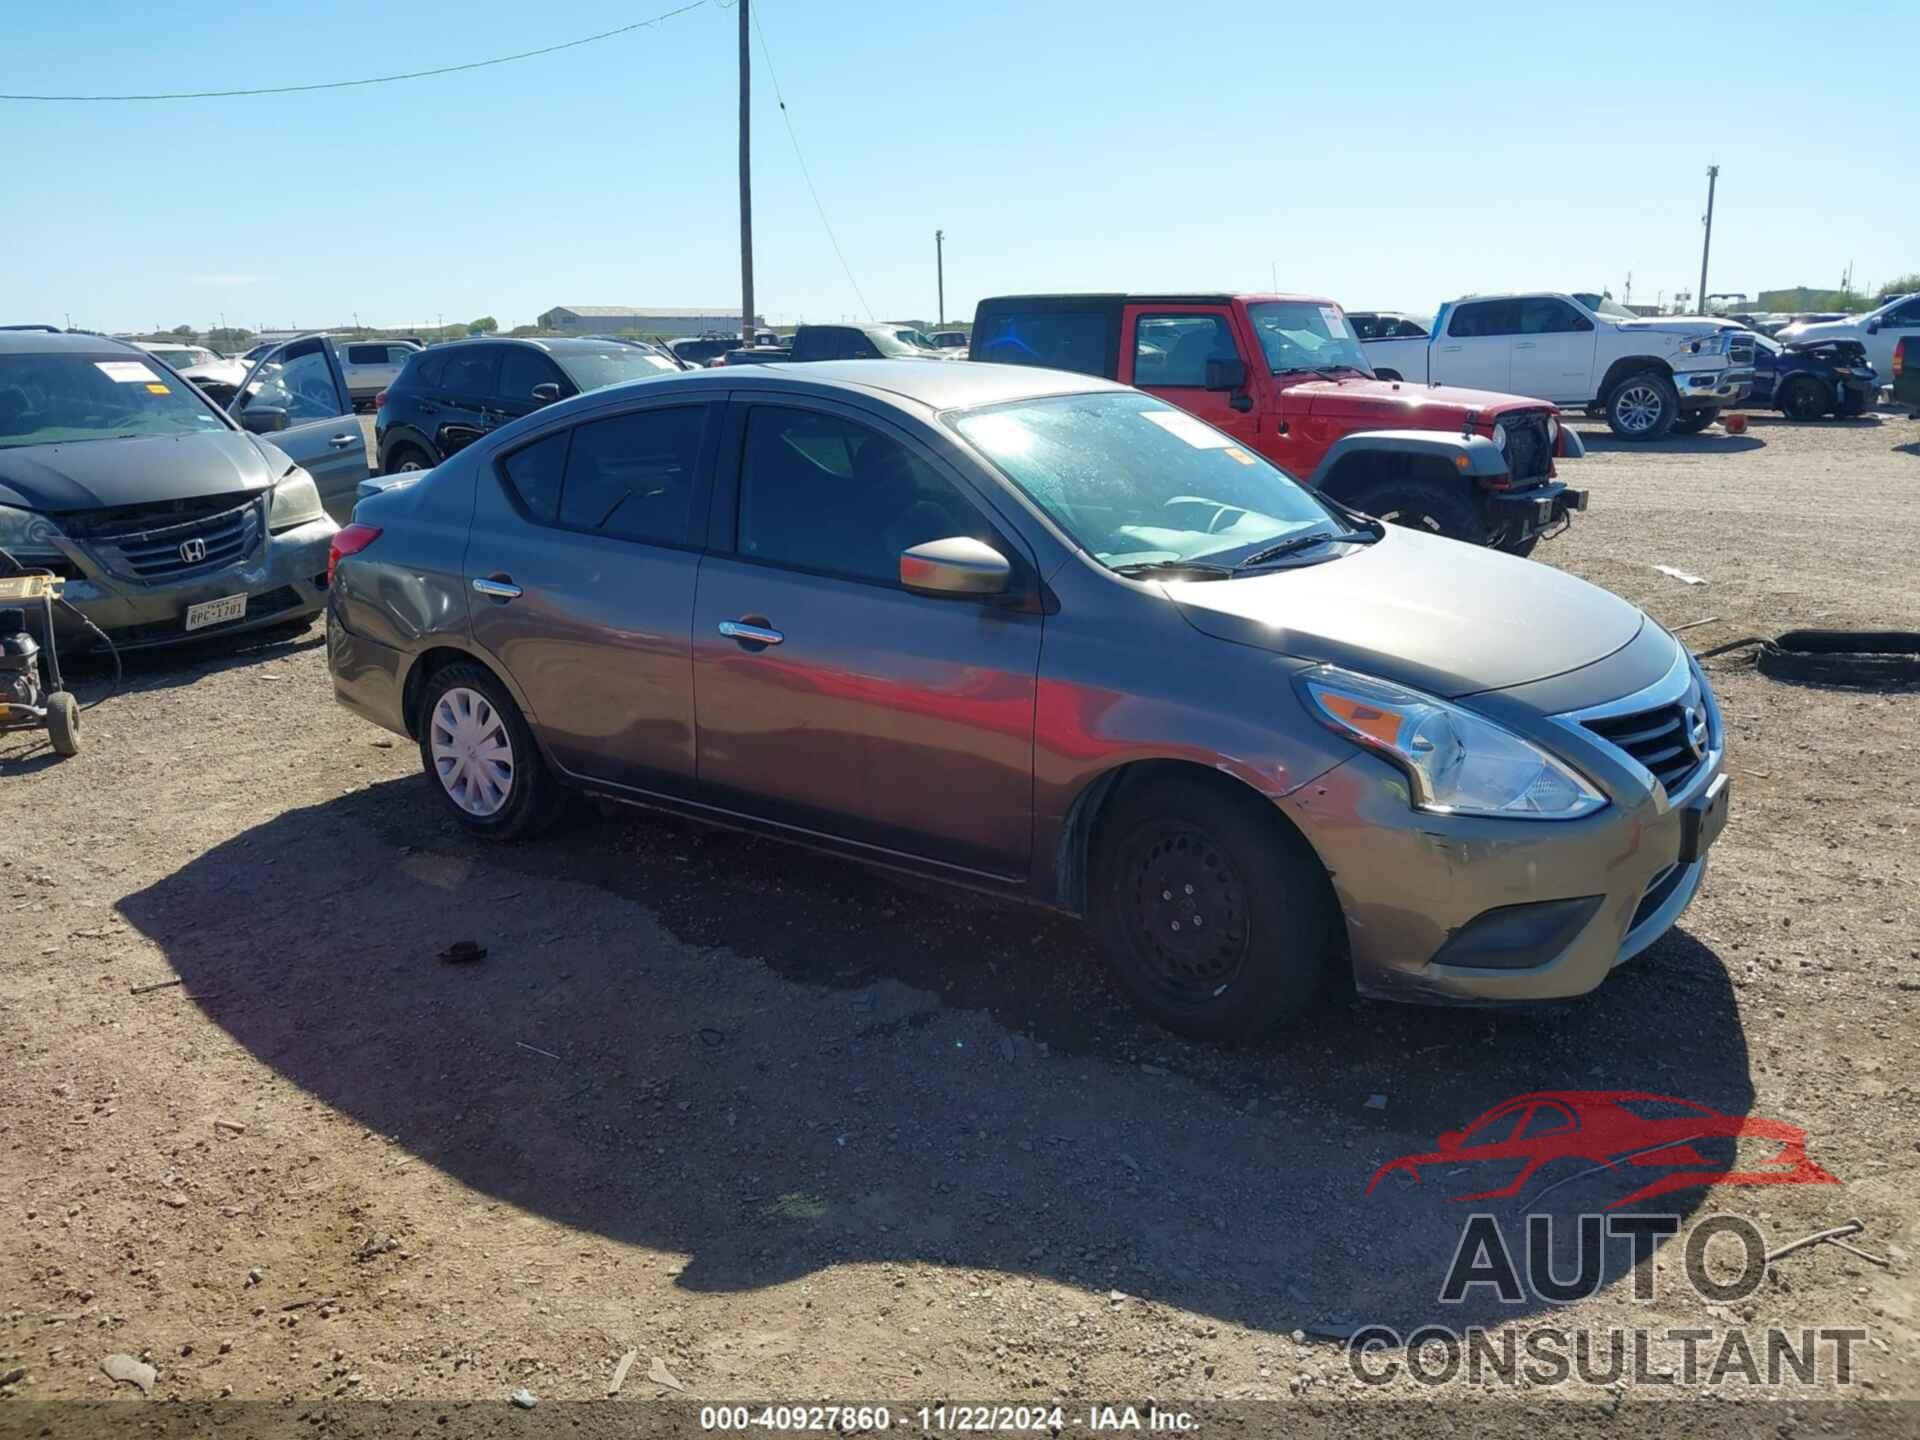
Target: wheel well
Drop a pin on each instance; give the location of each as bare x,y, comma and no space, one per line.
1633,365
405,440
431,663
1082,830
1364,467
1388,375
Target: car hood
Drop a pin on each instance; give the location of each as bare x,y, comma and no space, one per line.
1821,330
97,474
1397,405
1447,618
1676,325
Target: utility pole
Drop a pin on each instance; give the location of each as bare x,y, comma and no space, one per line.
940,271
1706,245
746,184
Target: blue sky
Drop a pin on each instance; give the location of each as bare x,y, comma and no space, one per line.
1390,155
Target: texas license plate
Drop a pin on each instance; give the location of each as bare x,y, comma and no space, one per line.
216,612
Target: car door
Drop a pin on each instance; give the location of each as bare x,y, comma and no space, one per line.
466,397
828,698
580,565
296,396
1477,349
522,370
1553,353
1168,351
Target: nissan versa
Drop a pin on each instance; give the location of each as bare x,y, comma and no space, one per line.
166,517
1044,635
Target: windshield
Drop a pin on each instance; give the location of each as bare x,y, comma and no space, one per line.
180,357
1601,305
56,399
1301,335
1133,480
915,339
596,369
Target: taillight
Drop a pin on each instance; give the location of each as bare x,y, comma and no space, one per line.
380,401
1899,359
348,540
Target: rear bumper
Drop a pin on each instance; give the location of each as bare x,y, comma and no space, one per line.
368,678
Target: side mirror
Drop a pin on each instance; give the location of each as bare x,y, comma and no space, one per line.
546,392
1226,374
1873,327
263,419
958,565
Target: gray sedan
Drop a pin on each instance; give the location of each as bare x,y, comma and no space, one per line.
165,518
1045,636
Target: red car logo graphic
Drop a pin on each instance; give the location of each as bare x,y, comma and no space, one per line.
1624,1131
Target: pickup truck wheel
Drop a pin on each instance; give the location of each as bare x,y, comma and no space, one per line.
1694,421
1419,506
1805,399
1643,406
1215,917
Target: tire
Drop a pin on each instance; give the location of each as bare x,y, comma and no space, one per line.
1173,854
1642,406
1694,421
466,720
1852,408
405,457
1804,399
63,723
1432,507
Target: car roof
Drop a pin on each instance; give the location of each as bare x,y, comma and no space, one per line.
1190,297
552,344
933,385
41,342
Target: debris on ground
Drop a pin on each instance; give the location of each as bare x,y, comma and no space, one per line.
620,1372
1831,1237
524,1398
1681,575
658,1373
232,1127
463,952
129,1371
157,985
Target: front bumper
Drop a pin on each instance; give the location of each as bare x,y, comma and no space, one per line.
1712,387
1524,513
1443,908
284,579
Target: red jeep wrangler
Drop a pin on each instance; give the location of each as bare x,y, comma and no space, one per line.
1284,375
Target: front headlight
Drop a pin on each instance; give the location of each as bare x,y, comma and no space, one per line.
295,502
1553,431
1457,762
28,537
1500,436
1704,345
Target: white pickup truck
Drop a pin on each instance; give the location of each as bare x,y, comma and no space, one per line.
1648,377
1879,331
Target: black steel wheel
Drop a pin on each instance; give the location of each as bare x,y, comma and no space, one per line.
1805,399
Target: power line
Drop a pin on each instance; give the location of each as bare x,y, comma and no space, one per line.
805,174
382,79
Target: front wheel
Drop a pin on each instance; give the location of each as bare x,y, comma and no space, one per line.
1433,507
481,758
1804,399
1643,406
1694,421
1215,918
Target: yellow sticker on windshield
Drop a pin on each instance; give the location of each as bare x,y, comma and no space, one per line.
157,389
1234,452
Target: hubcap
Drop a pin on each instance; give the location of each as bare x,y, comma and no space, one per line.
1191,910
410,464
472,754
1638,408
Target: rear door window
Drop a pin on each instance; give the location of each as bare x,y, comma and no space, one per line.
1480,319
631,476
470,372
1078,340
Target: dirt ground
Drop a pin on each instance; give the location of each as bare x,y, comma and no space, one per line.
792,1130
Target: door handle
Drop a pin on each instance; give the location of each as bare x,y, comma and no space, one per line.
341,442
1448,349
1524,345
500,588
745,633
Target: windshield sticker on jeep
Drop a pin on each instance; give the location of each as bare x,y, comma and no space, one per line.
1234,452
1196,433
126,372
156,388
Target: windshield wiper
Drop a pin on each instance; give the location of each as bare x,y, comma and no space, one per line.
1197,569
1304,542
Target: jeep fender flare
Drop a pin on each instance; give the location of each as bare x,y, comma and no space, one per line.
1353,459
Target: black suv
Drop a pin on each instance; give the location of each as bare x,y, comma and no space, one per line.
449,396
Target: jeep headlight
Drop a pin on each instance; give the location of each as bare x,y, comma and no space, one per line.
28,537
1553,430
1456,762
295,502
1500,435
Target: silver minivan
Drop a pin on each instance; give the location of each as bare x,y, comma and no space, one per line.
372,365
1049,637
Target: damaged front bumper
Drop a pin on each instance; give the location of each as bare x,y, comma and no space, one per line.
1712,387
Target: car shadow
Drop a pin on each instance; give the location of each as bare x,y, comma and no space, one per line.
1869,420
777,1062
90,673
1711,442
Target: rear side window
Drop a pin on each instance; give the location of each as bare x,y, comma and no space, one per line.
470,372
533,475
1079,340
423,371
631,476
366,354
1484,318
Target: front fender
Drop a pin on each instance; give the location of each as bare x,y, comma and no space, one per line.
1473,457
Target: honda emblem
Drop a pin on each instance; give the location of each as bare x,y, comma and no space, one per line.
193,551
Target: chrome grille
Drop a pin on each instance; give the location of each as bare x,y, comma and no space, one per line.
185,548
1740,350
1669,740
1528,450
